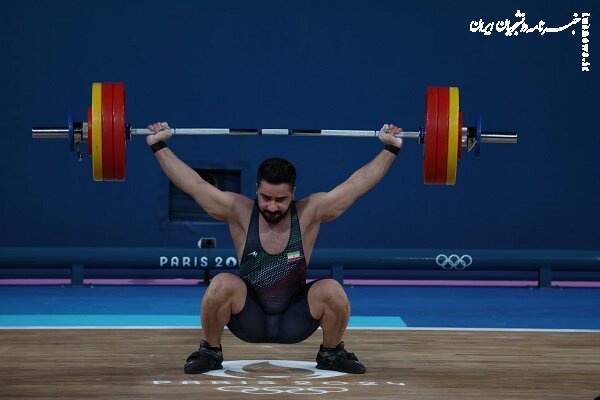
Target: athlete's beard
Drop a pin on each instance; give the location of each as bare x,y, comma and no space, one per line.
274,217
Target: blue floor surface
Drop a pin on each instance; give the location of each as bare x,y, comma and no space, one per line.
379,307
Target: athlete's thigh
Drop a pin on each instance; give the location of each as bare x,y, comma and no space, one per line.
250,322
296,323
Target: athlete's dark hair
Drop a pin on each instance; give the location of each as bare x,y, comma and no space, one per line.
276,171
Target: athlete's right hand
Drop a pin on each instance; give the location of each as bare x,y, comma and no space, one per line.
162,133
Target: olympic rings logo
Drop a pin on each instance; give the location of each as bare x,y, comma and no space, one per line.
282,389
454,261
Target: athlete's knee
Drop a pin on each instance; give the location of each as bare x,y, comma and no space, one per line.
328,294
224,286
339,303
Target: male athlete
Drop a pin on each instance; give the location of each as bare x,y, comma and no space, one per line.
274,236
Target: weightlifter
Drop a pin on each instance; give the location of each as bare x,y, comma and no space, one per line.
274,236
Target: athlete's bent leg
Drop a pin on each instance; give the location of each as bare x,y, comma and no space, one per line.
330,306
225,295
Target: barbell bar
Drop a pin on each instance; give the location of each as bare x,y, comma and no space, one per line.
106,133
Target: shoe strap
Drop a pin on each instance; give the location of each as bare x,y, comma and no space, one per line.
339,352
216,352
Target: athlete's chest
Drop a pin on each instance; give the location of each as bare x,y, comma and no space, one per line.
274,241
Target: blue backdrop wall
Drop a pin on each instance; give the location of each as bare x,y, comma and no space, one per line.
314,64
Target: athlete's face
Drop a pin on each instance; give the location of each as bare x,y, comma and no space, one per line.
274,201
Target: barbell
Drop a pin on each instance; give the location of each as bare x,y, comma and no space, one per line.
107,132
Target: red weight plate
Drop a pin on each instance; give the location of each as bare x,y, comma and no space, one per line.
119,130
108,169
430,145
89,138
459,133
442,136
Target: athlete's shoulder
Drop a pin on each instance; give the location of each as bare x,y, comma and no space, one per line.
240,200
307,206
242,206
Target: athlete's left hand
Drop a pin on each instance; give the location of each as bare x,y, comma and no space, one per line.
387,135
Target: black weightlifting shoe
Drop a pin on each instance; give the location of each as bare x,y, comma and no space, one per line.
205,359
338,359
